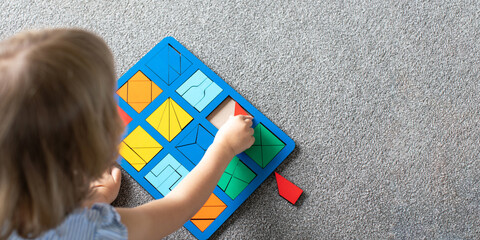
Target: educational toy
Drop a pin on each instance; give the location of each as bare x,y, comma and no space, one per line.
287,189
173,105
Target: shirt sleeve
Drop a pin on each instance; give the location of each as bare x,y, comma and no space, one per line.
108,222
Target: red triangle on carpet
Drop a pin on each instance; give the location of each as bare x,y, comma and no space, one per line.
287,189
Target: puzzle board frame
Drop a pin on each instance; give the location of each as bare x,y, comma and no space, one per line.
169,91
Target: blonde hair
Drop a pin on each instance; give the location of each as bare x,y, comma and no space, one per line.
59,129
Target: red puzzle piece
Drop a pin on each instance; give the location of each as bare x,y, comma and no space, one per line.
287,189
126,119
239,110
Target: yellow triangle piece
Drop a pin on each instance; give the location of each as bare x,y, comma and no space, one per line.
138,166
123,92
174,125
155,91
182,116
140,138
147,153
155,118
202,224
163,126
131,157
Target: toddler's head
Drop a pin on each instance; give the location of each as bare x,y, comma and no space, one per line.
59,126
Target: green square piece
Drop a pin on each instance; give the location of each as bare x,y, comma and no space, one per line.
236,177
265,147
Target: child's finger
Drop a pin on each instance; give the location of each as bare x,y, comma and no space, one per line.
252,141
249,122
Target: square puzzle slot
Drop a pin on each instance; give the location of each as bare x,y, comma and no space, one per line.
166,174
226,109
139,91
208,213
199,90
138,148
236,178
265,147
169,64
169,119
194,145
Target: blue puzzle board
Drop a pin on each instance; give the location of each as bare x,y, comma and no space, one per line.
186,84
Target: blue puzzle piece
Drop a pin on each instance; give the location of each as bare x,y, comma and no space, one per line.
157,180
167,160
168,64
191,138
194,145
172,75
183,172
195,80
204,138
195,94
199,90
174,59
193,152
159,168
211,92
185,63
159,64
164,188
166,174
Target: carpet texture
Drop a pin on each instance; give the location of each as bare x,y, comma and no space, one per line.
381,97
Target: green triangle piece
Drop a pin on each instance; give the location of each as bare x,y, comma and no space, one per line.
255,153
235,187
257,135
224,180
244,173
269,139
269,152
232,165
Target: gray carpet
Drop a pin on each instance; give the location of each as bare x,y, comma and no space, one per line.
382,99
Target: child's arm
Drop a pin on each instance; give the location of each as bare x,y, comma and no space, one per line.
161,217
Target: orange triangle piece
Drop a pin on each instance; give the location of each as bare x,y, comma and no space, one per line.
139,76
208,212
202,224
139,106
214,201
155,91
123,92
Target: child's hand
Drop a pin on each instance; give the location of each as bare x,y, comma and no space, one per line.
236,134
106,188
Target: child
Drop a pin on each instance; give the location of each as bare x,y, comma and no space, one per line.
59,133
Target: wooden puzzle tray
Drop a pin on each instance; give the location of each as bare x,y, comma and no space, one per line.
173,105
